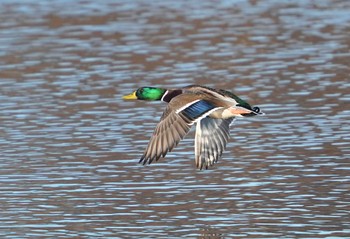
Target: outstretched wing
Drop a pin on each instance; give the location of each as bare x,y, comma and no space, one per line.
168,133
175,123
210,141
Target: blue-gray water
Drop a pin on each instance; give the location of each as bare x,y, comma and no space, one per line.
69,145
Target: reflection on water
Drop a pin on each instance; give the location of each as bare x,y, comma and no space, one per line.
70,145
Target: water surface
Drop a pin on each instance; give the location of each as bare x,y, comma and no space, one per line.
70,146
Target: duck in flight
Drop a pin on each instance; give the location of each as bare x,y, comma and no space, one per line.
213,110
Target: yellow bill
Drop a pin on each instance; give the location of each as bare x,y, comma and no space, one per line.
131,96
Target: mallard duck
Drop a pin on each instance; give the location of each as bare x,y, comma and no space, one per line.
212,110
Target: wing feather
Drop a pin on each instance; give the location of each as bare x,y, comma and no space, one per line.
175,124
210,141
165,137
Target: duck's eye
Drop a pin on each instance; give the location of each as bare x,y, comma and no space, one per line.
139,92
256,109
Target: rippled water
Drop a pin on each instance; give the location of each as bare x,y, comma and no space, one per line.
70,146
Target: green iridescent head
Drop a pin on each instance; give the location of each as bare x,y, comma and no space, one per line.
146,93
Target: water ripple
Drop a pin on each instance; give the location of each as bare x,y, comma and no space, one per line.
70,145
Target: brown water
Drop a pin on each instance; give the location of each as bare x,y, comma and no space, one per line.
70,146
